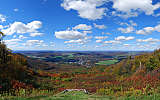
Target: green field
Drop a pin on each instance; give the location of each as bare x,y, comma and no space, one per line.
70,55
82,96
107,62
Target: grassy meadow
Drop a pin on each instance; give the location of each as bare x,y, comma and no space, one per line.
74,95
107,62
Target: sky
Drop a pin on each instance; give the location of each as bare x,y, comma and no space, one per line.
81,25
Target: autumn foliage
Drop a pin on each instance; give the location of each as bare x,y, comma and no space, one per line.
133,76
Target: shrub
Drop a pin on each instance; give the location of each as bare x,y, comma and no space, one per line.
67,79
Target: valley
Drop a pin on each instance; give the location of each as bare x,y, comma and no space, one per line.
51,60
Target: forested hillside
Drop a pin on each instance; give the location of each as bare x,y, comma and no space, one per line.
140,75
133,76
14,73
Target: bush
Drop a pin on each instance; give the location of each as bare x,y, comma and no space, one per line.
67,79
103,91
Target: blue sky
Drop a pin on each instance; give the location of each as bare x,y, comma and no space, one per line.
81,24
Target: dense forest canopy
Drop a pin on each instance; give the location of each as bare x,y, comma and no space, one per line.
13,69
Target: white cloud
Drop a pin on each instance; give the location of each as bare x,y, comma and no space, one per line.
148,30
157,15
126,30
12,41
1,27
77,34
36,34
112,42
85,32
14,36
97,46
157,28
90,9
52,44
101,37
126,45
141,32
99,26
124,15
98,41
16,9
79,41
74,41
19,27
130,27
119,38
82,27
34,25
69,34
22,37
94,9
133,23
43,45
131,6
2,18
151,40
34,42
